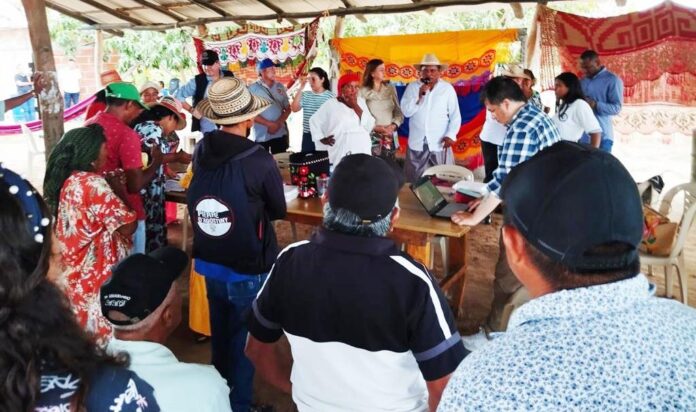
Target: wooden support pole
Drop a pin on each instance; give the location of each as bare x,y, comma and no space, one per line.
693,156
50,99
98,58
517,10
335,56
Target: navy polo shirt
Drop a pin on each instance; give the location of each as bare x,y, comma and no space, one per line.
367,324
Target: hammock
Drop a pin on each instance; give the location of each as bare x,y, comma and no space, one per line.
69,114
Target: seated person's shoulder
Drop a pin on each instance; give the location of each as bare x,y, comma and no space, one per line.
114,386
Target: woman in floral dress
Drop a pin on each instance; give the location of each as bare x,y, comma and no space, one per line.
94,226
163,118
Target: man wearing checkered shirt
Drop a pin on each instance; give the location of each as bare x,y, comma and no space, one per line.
529,130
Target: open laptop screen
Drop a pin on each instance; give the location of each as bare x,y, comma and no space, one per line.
428,195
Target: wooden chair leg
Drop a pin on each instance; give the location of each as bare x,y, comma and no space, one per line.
294,231
445,255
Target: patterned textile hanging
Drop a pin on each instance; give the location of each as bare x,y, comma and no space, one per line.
240,49
652,51
471,56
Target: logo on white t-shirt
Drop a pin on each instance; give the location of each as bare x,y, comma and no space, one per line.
214,217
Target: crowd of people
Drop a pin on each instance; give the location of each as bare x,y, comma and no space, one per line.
88,289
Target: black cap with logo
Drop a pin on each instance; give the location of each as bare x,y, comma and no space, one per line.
209,57
140,283
569,198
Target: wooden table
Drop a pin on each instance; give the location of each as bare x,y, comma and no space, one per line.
415,229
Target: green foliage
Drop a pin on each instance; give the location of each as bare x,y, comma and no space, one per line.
66,33
142,51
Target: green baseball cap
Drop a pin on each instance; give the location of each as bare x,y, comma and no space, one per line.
125,91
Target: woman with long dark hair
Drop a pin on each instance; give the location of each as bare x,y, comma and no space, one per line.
573,115
47,362
383,103
153,126
94,226
309,101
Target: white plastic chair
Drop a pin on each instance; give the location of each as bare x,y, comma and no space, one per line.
35,146
676,256
450,173
517,299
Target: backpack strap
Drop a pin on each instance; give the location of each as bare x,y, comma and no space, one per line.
248,152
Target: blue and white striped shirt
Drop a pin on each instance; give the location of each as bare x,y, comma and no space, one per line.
530,131
311,102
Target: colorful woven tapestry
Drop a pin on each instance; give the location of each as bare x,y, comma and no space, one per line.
241,49
471,56
652,51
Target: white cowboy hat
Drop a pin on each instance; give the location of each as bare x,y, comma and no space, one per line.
230,102
430,59
150,85
515,71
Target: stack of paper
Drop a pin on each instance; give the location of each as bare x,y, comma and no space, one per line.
291,192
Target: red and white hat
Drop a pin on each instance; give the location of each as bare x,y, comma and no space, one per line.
174,105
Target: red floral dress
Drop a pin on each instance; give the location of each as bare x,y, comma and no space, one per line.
89,213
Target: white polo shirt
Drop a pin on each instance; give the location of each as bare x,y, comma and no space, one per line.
578,118
178,386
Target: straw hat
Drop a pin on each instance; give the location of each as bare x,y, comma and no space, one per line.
516,71
230,102
430,59
150,85
174,105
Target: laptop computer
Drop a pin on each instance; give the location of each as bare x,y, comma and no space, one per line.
433,201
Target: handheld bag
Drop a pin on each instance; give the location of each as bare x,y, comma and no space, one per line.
305,167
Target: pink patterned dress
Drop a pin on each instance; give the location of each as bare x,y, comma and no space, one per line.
89,213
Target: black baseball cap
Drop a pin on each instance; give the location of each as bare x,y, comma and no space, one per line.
569,198
140,283
365,185
209,57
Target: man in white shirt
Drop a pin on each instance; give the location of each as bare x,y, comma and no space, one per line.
143,304
433,109
70,83
342,125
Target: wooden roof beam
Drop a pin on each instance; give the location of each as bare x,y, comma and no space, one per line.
159,9
350,4
80,17
118,14
385,9
280,14
211,7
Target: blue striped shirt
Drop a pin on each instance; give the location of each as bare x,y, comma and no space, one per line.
529,131
311,102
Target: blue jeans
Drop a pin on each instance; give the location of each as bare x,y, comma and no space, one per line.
308,143
25,112
229,304
139,238
606,145
71,99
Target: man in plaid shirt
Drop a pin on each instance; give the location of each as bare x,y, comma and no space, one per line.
529,131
